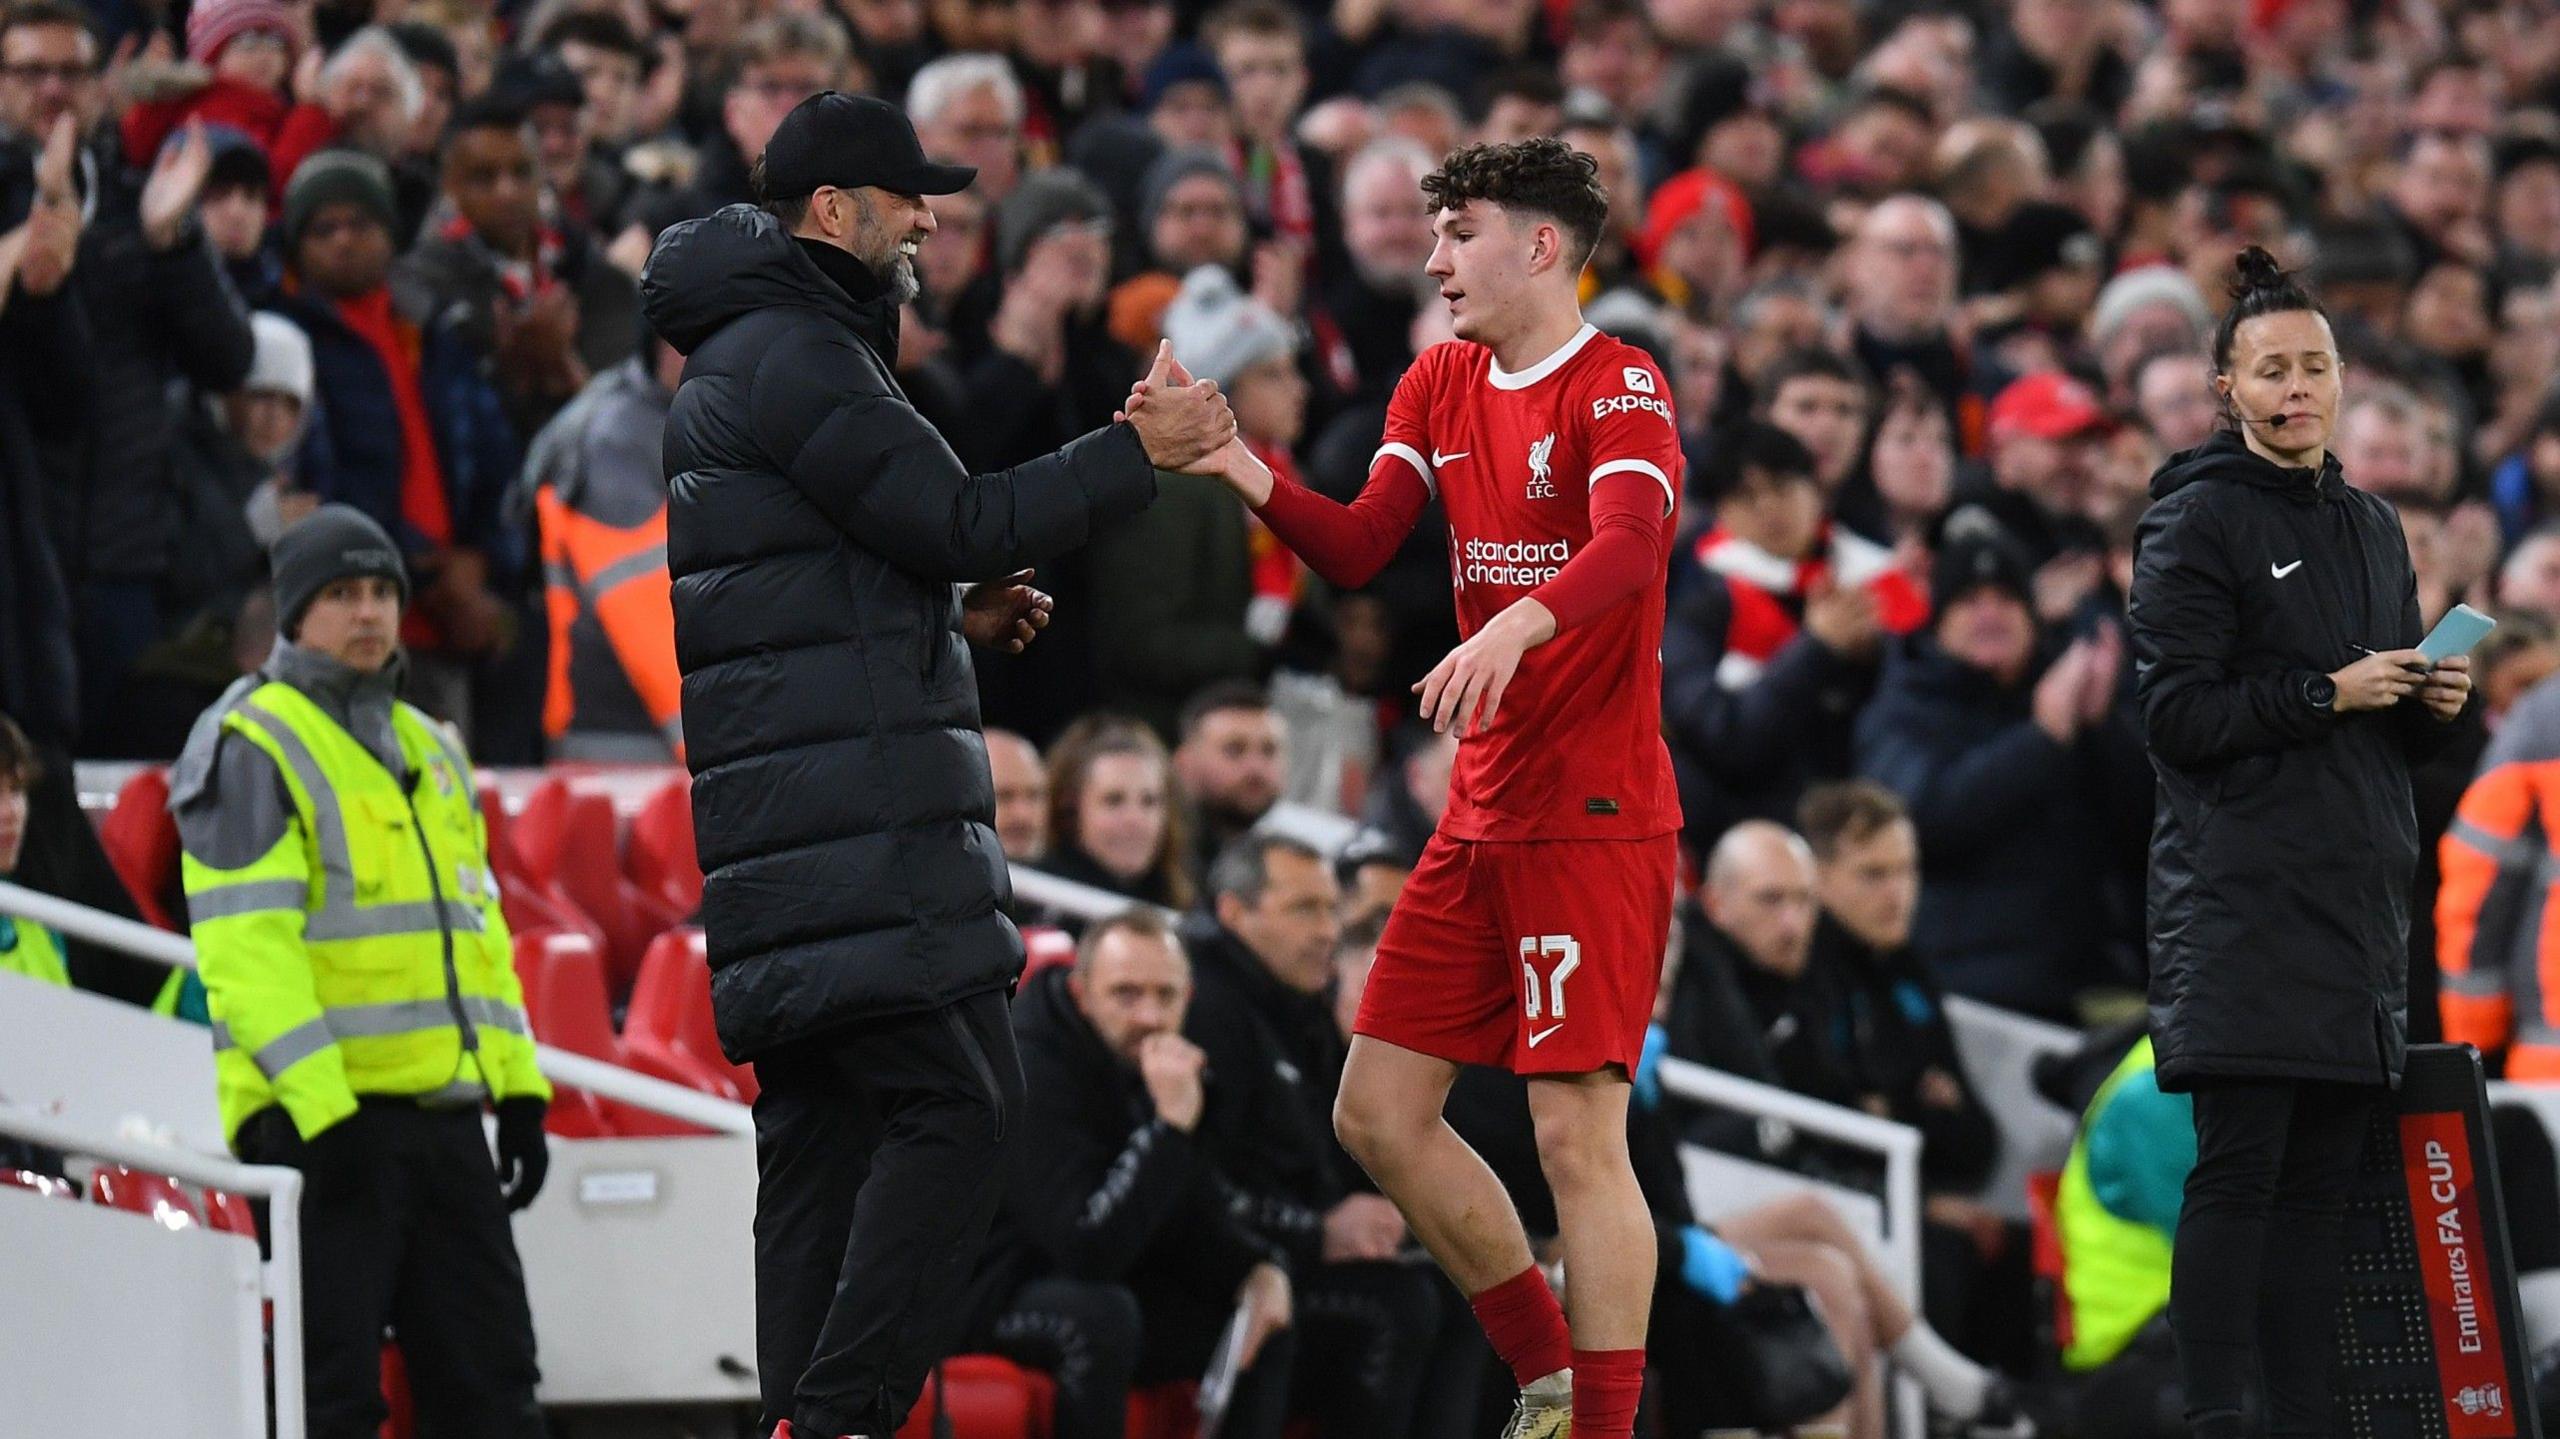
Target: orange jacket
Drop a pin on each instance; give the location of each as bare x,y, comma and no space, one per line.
602,507
2497,927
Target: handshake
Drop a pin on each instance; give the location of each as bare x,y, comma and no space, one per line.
1185,426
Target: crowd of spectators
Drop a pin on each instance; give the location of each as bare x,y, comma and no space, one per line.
1930,279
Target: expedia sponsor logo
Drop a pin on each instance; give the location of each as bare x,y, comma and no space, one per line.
1520,564
1602,409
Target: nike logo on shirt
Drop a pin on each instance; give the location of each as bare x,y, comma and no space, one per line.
1438,459
2280,571
1536,1038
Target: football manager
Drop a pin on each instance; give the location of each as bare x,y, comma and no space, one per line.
830,556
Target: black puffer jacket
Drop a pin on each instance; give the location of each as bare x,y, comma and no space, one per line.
816,527
2284,843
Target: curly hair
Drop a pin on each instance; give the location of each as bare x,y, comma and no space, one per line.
1542,176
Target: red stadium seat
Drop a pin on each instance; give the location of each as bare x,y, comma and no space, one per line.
987,1398
530,904
1165,1411
155,1196
229,1213
564,995
2044,1198
581,835
539,827
659,857
403,1420
1044,947
141,841
669,1031
44,1184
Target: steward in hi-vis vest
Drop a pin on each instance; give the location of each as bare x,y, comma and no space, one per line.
364,1001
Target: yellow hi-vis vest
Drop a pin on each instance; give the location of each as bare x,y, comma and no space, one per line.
2115,1272
364,953
34,953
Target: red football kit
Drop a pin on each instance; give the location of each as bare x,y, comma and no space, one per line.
1531,935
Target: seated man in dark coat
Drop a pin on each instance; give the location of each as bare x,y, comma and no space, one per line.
1116,1193
1265,1016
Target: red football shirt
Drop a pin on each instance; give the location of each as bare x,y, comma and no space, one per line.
1576,752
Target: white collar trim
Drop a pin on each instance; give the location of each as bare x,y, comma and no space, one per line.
1503,380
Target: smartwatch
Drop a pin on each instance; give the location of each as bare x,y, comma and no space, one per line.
2321,693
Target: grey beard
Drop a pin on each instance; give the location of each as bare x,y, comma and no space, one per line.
901,279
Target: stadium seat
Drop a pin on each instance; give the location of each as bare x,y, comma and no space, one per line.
571,842
1165,1411
141,841
564,995
530,904
2044,1199
155,1196
403,1420
669,1031
1045,947
44,1184
986,1398
229,1213
658,855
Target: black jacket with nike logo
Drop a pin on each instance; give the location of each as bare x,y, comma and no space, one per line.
2284,842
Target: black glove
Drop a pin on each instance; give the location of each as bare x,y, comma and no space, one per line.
524,1155
268,1137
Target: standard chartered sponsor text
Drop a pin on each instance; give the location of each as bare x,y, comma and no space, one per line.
1521,564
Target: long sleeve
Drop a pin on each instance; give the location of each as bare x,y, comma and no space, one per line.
1963,796
1349,544
247,872
1169,589
206,324
2185,615
886,479
2492,876
1630,541
1100,1209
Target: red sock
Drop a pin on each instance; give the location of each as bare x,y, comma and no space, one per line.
1606,1385
1520,1315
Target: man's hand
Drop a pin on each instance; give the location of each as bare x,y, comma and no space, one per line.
1171,1066
177,179
2065,583
2448,687
1181,422
2101,672
1939,1090
1004,614
2060,696
1843,617
53,225
1266,1302
2379,681
1463,692
537,345
1363,1227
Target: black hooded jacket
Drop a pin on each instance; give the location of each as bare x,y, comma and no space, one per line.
2284,841
816,530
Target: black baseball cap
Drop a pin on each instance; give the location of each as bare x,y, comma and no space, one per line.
850,141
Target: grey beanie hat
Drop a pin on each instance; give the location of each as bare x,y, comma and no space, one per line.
1219,332
331,543
1043,201
1172,168
2141,288
332,176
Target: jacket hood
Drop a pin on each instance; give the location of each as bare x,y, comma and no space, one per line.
2227,457
705,273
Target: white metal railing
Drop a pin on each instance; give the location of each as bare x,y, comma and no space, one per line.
597,1077
1898,1145
280,1187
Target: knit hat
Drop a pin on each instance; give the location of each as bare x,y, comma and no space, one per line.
1219,332
282,363
1180,64
213,24
239,163
1043,201
331,543
332,176
1975,550
1680,199
2139,290
1172,168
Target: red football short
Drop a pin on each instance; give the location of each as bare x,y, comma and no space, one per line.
1540,957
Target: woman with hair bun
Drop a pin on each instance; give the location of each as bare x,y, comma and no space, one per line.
2274,619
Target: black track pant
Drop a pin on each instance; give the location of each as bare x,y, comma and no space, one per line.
880,1157
2255,1280
1084,1336
410,1234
